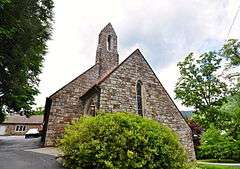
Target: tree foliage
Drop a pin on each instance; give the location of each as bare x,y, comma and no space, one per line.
25,27
231,51
121,141
2,116
218,144
231,112
222,141
36,111
200,87
231,109
214,144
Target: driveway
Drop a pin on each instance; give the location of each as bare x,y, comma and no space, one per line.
15,154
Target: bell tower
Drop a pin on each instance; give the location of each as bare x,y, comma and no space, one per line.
107,54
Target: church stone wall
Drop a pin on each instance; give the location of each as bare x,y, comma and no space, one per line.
118,93
66,104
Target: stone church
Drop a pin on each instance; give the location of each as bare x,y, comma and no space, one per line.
108,86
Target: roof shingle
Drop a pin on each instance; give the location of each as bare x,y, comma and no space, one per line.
17,119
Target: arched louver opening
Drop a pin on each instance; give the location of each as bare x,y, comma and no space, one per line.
139,98
109,39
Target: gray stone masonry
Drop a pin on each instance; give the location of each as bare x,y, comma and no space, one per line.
66,104
118,93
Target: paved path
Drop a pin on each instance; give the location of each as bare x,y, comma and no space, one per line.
15,153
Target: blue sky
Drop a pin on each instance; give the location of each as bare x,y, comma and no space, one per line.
165,32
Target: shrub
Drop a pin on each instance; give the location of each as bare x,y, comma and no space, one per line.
121,141
214,145
218,145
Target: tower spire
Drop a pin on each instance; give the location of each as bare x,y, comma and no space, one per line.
107,53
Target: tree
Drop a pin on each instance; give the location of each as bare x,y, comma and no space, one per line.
231,109
37,111
200,87
216,144
231,121
25,27
231,52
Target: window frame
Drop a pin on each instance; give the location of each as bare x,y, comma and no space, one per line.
20,128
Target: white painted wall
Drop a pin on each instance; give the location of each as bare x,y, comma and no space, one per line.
2,130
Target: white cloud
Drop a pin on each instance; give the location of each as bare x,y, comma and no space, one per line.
165,31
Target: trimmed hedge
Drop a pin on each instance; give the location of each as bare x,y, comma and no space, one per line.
121,141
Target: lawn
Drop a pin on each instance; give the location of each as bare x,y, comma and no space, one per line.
218,161
203,166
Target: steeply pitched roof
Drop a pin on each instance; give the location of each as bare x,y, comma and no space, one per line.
17,119
108,28
104,77
137,51
73,80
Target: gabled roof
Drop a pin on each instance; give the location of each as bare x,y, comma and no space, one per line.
108,28
73,80
137,51
104,77
17,119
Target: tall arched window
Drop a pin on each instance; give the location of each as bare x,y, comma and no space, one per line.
139,98
109,39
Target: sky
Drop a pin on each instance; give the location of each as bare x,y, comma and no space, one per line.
164,31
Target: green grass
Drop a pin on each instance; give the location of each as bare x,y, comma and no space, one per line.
203,166
218,161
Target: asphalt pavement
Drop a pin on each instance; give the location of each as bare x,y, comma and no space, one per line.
15,154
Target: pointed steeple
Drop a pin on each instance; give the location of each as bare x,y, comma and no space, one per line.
108,28
107,54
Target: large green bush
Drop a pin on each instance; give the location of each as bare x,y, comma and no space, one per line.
216,144
121,141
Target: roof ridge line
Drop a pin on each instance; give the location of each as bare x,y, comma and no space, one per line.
73,80
99,81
